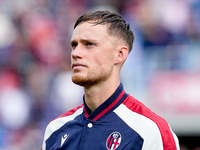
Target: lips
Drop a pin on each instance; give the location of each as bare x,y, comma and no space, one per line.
77,65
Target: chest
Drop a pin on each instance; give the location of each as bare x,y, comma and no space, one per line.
109,133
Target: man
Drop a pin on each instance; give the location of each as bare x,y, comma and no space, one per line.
109,119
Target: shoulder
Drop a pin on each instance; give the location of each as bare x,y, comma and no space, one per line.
72,112
139,108
61,120
150,126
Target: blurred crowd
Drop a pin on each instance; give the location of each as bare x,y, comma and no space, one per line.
35,76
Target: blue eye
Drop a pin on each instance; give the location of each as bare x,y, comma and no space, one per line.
89,44
74,45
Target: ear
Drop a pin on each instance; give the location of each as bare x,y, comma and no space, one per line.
122,54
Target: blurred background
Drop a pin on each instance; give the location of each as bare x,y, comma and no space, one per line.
162,71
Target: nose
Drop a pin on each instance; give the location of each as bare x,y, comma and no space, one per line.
76,52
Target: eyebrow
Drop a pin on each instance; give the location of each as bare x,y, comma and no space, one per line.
83,41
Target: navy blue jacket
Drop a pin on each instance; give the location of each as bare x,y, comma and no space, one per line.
121,123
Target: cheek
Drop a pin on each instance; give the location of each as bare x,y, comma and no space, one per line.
105,63
109,59
100,61
104,57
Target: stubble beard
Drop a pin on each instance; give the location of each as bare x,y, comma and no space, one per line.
92,78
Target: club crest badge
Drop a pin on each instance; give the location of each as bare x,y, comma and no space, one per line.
113,140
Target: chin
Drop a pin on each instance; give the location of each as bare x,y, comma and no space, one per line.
79,80
84,81
89,79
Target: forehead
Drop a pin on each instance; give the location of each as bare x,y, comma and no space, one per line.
90,30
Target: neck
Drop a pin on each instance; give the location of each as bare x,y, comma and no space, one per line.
95,95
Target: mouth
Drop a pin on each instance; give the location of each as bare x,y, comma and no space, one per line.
77,66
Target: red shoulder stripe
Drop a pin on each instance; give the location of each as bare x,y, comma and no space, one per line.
140,108
70,112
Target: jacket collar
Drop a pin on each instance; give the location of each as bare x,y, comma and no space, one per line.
108,106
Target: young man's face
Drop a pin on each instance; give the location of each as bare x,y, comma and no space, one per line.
93,54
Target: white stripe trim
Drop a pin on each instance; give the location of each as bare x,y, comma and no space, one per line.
144,126
57,123
176,140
